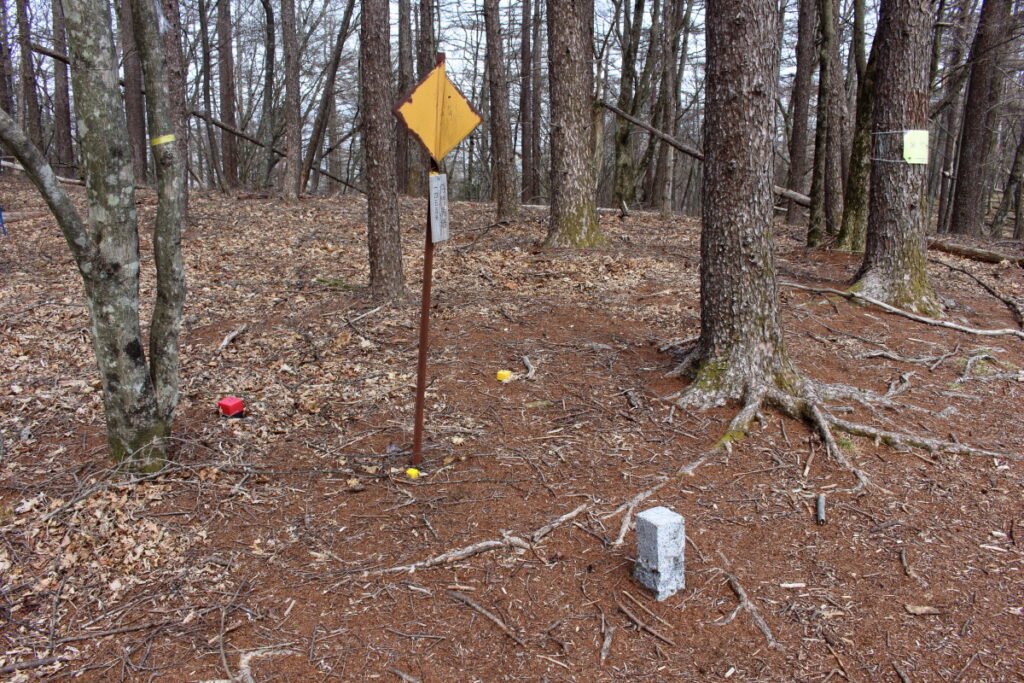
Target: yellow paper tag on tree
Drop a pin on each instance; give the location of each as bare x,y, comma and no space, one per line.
915,146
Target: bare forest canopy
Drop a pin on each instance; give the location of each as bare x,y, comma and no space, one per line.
234,104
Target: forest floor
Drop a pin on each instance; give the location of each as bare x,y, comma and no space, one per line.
273,547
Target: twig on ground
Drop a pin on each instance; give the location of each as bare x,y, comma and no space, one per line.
530,370
746,604
644,626
230,337
455,555
404,676
629,507
543,531
907,314
643,607
1015,308
466,600
30,664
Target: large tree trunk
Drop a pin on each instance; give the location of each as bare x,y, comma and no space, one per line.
824,176
976,135
6,70
326,106
573,183
134,104
63,153
384,234
740,351
291,184
226,79
503,168
894,258
29,98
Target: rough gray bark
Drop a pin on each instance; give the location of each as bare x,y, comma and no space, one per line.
740,351
177,71
383,231
206,69
291,183
138,403
6,70
165,326
29,98
63,153
134,105
977,129
1011,189
893,269
573,182
625,164
503,169
853,231
226,81
826,170
326,105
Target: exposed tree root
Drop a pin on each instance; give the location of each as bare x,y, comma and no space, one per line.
1015,306
751,609
907,314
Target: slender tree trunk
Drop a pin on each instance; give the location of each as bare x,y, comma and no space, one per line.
6,70
426,52
213,169
134,104
836,163
1010,190
165,325
526,114
894,258
503,169
976,135
855,206
291,184
740,351
406,81
573,182
63,153
316,140
267,115
625,164
226,80
177,71
29,98
821,195
384,234
536,92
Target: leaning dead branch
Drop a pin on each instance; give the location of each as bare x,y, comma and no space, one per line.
974,253
907,314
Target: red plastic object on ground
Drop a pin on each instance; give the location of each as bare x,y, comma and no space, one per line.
231,406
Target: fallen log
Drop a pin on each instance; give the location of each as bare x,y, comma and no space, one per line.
973,252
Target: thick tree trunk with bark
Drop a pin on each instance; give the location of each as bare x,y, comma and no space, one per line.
291,183
177,72
625,164
213,169
894,270
573,182
826,181
226,79
384,234
134,104
503,168
63,152
977,130
740,352
29,98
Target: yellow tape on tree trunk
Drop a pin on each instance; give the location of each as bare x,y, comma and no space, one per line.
162,140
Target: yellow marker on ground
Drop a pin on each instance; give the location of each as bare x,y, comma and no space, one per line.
412,473
503,375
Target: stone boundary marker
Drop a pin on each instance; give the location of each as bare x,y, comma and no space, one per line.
660,557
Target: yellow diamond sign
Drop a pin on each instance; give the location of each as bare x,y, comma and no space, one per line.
437,113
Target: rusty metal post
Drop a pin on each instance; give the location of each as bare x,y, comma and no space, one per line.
421,365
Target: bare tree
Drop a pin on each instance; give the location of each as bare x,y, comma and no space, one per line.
406,80
139,398
134,104
801,98
267,113
977,129
503,173
893,269
63,153
226,78
206,72
573,182
527,117
383,231
291,185
29,98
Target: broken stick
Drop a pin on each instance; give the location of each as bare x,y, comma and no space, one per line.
466,600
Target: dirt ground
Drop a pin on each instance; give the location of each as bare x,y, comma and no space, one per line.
273,547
